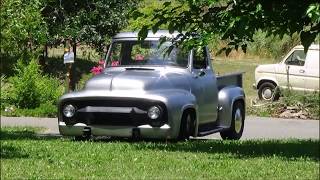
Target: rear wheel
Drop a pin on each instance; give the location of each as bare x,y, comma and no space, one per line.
186,126
237,123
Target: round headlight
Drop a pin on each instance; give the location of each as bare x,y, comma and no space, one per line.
69,110
154,112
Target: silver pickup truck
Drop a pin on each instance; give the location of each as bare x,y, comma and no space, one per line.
146,92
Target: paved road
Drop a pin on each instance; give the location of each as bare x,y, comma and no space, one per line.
255,127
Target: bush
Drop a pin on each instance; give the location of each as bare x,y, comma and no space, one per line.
30,88
49,90
44,110
272,46
5,89
306,103
262,46
24,93
84,78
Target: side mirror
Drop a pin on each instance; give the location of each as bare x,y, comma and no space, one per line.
201,73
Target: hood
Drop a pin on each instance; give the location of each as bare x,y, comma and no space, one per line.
141,79
266,68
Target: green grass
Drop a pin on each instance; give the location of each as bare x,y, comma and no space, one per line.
26,155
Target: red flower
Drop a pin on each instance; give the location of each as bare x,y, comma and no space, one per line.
101,62
96,70
115,63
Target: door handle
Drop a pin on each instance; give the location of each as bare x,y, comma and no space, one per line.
301,71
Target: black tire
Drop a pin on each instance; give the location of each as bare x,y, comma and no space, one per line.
268,86
234,133
82,138
186,126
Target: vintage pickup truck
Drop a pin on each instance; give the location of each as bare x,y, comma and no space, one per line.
145,92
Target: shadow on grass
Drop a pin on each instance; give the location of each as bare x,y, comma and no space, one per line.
290,149
10,152
25,134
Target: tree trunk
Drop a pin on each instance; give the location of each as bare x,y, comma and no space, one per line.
73,73
74,48
46,52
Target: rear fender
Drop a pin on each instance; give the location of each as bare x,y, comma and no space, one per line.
227,96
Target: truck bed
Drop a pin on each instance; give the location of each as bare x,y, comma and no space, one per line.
234,79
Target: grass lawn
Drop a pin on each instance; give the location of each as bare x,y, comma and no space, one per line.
25,155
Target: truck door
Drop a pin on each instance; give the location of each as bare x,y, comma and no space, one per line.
204,86
295,69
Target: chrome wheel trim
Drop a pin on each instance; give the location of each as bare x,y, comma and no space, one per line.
267,93
237,121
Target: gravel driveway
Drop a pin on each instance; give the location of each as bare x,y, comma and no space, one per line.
255,127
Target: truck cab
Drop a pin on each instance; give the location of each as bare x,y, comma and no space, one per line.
148,92
297,70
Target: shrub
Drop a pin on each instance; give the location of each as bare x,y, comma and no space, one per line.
83,80
49,90
307,103
30,88
24,93
304,100
44,110
5,88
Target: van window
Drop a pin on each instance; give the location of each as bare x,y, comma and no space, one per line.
297,58
200,59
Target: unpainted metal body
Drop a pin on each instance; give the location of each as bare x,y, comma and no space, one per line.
178,89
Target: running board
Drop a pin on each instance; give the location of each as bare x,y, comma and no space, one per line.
215,130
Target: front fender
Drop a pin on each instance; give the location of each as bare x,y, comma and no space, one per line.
266,78
177,102
227,96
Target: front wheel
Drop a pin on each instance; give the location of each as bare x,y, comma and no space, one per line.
186,126
268,92
237,123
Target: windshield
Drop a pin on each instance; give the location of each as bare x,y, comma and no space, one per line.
128,53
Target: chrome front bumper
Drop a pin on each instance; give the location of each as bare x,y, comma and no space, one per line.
145,131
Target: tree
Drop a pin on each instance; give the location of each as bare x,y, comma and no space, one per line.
23,29
90,22
236,20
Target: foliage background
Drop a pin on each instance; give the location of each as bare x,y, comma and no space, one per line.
36,31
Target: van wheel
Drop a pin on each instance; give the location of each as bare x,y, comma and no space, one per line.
186,126
237,123
268,92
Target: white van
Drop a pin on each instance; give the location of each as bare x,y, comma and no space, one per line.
298,70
